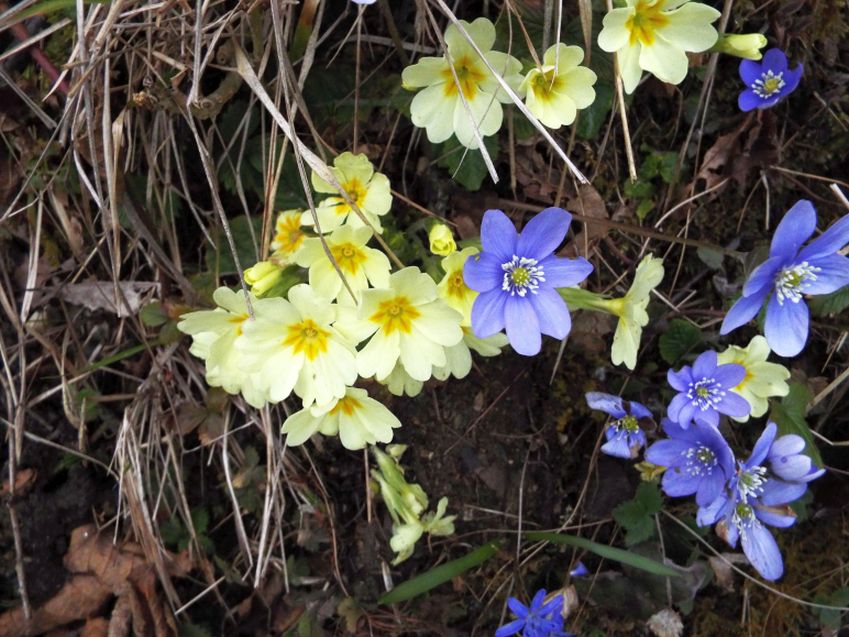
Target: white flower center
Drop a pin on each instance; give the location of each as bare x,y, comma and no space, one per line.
791,281
700,461
706,393
750,483
520,275
768,84
744,518
628,424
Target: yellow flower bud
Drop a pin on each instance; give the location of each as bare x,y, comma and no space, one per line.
441,240
742,45
262,277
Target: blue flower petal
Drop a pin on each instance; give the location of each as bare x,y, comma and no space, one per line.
680,380
828,242
792,78
522,324
563,273
761,448
780,518
833,275
676,405
517,607
750,71
763,276
733,405
617,447
748,101
714,511
498,235
778,492
543,233
729,375
786,326
797,225
796,468
483,272
677,483
537,601
774,60
688,412
668,452
510,629
552,312
709,417
762,551
488,313
609,404
743,311
705,365
710,488
639,410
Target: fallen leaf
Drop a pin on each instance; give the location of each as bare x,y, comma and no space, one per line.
101,295
587,203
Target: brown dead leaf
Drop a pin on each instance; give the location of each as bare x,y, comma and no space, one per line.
587,203
24,479
719,156
80,597
96,627
101,295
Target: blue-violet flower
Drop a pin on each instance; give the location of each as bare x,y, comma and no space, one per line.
789,463
767,82
517,276
624,435
698,460
540,619
705,392
788,273
753,500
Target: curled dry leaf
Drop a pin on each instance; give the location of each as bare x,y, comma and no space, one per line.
587,203
101,295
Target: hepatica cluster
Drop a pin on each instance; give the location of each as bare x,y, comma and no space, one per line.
329,317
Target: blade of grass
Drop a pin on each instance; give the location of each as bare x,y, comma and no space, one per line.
439,575
607,552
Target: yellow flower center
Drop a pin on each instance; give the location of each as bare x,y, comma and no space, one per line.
648,16
746,378
545,83
348,256
395,315
356,192
289,236
347,405
469,76
307,337
239,320
457,286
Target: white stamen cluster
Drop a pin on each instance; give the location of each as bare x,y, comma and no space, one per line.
521,275
706,393
791,282
699,461
768,84
628,424
744,518
750,483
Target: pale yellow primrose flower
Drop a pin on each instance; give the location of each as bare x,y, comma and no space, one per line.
294,347
410,324
655,35
555,92
357,419
439,108
459,357
453,289
742,45
441,240
632,311
400,383
361,265
263,276
762,379
366,188
288,236
214,334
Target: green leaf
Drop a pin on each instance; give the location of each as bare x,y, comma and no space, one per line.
830,618
193,630
153,314
607,552
439,575
833,303
711,258
680,338
645,207
466,166
789,415
640,189
591,119
637,516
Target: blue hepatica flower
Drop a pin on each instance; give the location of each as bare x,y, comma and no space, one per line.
698,461
705,392
517,276
789,463
624,435
540,619
788,273
768,81
753,500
